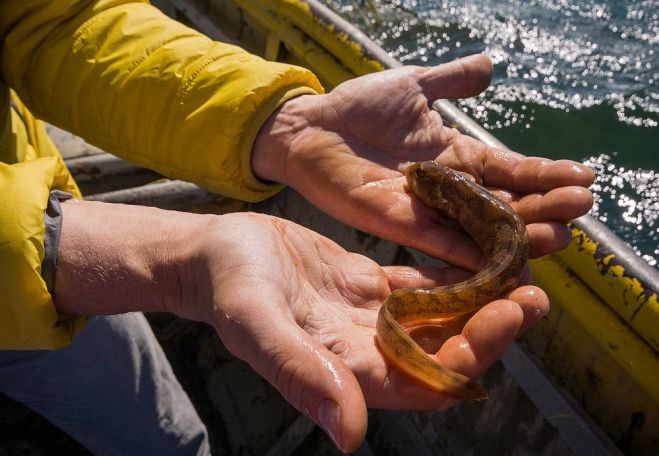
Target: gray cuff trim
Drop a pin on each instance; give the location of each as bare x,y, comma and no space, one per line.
53,220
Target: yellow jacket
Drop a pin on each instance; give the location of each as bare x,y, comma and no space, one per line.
128,79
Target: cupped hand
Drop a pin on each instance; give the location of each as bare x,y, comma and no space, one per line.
302,311
345,152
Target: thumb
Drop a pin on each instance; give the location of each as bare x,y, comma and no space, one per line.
310,377
465,77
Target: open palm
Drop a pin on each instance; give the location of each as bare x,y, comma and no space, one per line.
345,152
302,311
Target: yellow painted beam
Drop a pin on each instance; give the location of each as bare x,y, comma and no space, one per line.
623,293
617,339
272,46
597,381
329,69
299,15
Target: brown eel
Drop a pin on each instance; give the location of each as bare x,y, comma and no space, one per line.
501,235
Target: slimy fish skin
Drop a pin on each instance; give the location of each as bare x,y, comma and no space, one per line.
501,235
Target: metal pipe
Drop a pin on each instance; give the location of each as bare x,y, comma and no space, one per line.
166,195
611,244
105,172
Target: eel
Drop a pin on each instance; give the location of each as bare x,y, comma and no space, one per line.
501,235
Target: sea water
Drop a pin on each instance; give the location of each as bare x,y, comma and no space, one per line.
572,79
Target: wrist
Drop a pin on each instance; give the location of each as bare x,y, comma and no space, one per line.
280,136
116,258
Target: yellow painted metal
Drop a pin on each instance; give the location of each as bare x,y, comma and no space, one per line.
625,294
328,68
295,14
272,47
586,368
615,337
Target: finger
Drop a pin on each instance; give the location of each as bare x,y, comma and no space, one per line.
489,333
561,204
457,248
309,376
423,276
506,169
466,77
450,245
534,304
540,212
547,237
484,339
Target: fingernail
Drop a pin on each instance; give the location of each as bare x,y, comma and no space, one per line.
329,416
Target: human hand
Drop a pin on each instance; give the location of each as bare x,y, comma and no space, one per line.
345,152
293,304
302,312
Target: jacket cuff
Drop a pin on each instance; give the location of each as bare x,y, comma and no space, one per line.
251,131
52,218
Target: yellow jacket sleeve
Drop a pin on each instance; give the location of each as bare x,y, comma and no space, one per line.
130,80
